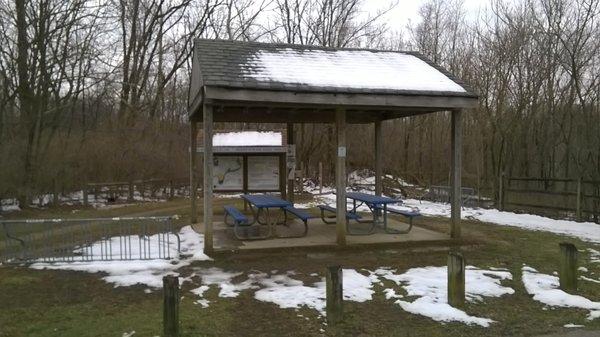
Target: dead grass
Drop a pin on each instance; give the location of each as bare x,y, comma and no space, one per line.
60,303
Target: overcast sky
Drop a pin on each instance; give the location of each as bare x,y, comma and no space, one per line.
406,10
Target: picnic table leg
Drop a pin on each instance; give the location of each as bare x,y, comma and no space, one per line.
385,217
269,223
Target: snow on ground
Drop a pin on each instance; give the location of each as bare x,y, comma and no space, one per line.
545,289
429,285
594,255
147,272
284,290
586,231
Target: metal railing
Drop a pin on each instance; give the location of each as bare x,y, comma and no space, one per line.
101,239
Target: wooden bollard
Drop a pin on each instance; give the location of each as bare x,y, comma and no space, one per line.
334,292
171,306
567,273
456,279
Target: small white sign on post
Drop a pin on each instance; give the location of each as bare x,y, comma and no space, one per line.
341,151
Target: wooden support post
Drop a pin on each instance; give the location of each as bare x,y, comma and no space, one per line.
171,189
579,200
378,159
320,177
208,178
456,280
193,170
290,179
567,272
340,175
456,173
335,294
171,306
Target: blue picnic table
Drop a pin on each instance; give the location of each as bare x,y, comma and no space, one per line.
378,205
265,202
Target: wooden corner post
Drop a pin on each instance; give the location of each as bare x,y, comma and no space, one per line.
340,175
567,272
193,170
290,179
456,163
334,294
171,306
208,177
378,159
456,280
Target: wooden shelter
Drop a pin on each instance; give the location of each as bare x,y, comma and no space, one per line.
279,83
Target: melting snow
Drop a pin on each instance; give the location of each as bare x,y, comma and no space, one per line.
545,289
146,272
248,138
429,285
349,69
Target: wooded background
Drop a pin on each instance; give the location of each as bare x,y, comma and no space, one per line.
96,91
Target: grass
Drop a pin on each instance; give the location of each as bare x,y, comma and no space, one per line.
62,303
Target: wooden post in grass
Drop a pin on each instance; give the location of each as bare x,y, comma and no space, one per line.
334,292
171,306
567,272
456,280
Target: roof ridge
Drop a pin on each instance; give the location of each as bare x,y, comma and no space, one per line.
305,46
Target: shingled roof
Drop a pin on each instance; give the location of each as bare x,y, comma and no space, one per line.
299,68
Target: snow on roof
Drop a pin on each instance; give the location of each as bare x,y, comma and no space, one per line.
248,138
348,69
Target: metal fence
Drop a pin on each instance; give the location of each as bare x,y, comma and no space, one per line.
102,239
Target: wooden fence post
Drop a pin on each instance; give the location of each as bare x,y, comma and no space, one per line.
85,195
55,194
320,177
579,200
334,292
130,192
171,306
567,272
456,279
171,189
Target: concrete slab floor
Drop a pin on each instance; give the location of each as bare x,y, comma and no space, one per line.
324,235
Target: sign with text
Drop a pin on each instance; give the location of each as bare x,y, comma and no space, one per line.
263,173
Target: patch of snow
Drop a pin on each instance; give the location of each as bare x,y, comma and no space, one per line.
248,138
571,325
128,334
146,272
348,69
429,285
545,289
594,255
290,293
589,279
583,269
